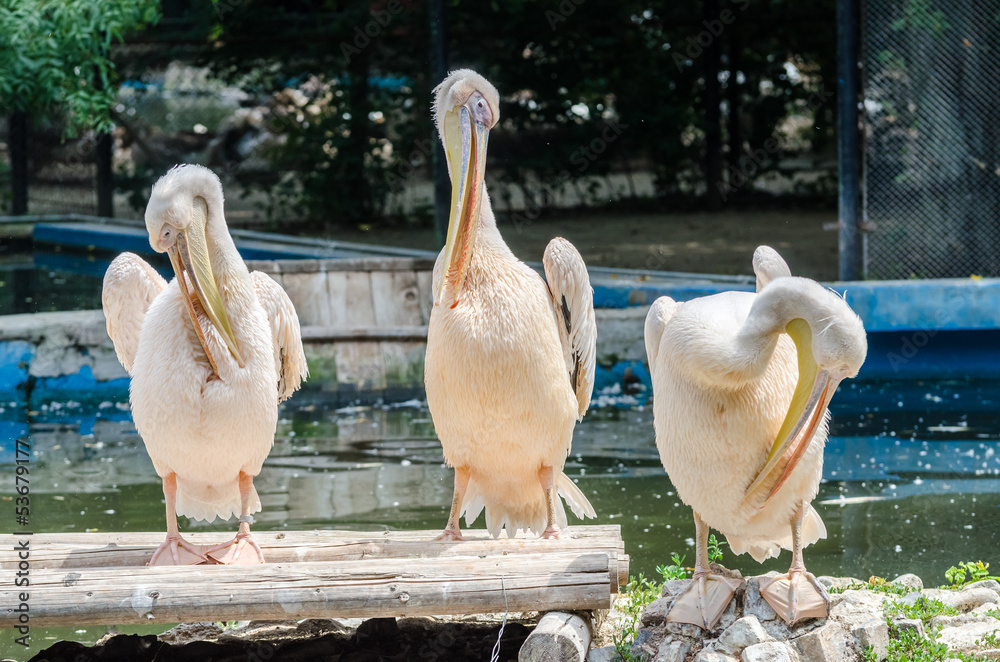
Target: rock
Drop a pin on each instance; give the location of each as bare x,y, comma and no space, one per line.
915,624
186,632
875,633
964,637
754,603
827,643
837,582
675,587
855,607
605,654
769,651
745,632
991,584
656,611
967,599
909,581
672,651
638,645
315,626
708,655
958,621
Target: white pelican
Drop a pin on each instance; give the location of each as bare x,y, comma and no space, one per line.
741,382
510,362
211,354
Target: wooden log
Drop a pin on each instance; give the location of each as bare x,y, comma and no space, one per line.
69,551
341,589
558,637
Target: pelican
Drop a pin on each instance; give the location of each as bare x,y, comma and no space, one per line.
211,354
509,368
741,383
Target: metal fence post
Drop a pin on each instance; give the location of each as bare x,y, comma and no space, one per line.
848,138
17,140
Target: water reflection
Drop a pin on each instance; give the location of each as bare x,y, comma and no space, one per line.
912,477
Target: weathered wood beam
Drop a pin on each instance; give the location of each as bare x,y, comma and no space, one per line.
342,589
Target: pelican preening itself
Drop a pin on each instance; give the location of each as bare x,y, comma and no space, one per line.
211,354
741,382
510,361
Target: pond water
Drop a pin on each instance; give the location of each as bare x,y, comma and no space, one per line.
911,478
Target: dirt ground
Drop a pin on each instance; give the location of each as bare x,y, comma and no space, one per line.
721,243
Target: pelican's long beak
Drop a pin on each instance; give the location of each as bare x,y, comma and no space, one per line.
813,392
189,256
465,144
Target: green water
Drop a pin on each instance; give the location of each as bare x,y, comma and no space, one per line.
912,480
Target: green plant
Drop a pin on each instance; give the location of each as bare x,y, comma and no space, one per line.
967,572
54,57
675,570
877,584
989,640
869,654
922,609
715,549
639,592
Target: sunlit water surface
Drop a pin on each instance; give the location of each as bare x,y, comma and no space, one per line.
911,479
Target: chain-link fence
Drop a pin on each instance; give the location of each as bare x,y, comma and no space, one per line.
932,139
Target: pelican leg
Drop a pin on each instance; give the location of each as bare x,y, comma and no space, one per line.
791,598
453,531
230,552
181,551
552,531
707,596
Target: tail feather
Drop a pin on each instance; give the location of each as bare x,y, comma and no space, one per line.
529,513
574,497
197,502
760,549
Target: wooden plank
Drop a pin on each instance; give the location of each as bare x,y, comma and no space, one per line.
310,296
360,363
425,286
342,264
320,334
104,549
374,588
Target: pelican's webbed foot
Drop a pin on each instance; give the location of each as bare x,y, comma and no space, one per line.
796,596
704,601
231,552
181,552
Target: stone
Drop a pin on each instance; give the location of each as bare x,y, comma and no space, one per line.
875,633
708,655
754,603
836,582
655,613
854,607
745,632
675,587
991,584
964,637
915,624
967,599
187,632
672,651
827,643
769,651
604,654
909,581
